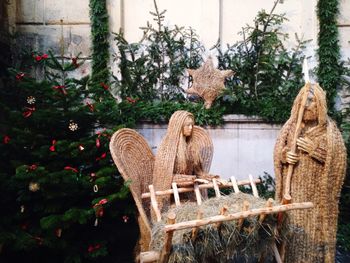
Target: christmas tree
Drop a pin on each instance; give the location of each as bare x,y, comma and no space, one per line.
63,199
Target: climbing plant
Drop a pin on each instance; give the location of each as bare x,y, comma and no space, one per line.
100,41
329,69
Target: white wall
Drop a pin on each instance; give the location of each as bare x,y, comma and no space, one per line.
242,146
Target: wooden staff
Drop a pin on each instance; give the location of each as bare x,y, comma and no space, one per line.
287,197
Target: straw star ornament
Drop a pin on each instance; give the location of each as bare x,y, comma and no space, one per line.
208,82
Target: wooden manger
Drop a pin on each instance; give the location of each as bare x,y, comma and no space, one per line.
213,230
193,226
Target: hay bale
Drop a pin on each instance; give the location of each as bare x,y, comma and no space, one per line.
218,243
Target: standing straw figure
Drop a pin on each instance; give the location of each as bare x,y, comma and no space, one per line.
311,147
183,156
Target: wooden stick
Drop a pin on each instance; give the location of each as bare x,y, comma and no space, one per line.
238,215
198,194
176,194
287,197
282,250
241,220
223,211
268,205
195,229
164,254
201,186
154,203
253,185
234,184
216,188
276,253
148,256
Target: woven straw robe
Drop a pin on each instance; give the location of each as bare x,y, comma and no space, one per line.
199,151
317,177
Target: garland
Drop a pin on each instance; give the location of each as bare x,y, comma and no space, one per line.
329,69
100,41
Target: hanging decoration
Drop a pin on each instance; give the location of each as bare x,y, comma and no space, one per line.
73,126
31,100
208,82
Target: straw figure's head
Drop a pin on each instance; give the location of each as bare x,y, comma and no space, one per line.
187,126
315,107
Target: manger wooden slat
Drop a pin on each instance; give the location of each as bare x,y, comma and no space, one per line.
238,215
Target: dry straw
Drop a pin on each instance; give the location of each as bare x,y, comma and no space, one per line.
317,177
180,155
135,160
223,242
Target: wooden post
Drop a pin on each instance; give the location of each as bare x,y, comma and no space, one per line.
195,229
234,184
216,188
154,202
254,189
148,256
164,254
276,253
223,211
268,205
176,194
198,194
241,220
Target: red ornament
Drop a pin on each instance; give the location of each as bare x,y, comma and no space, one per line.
32,167
69,168
52,147
6,139
101,202
20,75
92,248
44,56
37,58
98,143
101,157
104,86
99,212
91,106
28,112
61,89
130,100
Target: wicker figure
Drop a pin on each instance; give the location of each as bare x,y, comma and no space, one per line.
135,160
184,155
187,145
318,173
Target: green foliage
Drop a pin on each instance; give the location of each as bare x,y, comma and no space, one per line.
329,69
48,170
100,41
268,76
154,67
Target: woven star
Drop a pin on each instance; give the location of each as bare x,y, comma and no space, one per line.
208,82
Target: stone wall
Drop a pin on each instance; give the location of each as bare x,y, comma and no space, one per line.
48,23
